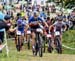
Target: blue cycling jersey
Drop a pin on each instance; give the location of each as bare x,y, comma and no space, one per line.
32,19
21,25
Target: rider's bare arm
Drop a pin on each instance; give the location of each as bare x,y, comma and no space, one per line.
51,26
12,29
46,24
65,28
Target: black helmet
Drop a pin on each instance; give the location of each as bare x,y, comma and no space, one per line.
7,17
18,14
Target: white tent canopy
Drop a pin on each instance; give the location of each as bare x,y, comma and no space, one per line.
39,2
22,2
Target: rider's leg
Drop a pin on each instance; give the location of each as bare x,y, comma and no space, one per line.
16,39
25,38
22,39
33,40
52,44
61,39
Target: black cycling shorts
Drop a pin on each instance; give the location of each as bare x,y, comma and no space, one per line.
33,28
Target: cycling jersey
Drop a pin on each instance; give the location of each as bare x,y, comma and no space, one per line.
32,19
21,25
58,26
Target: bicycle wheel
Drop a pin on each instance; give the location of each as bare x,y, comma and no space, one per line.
40,45
36,49
58,45
40,52
19,44
49,46
44,47
29,44
36,45
44,41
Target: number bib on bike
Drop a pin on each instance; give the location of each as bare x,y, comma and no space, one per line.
18,32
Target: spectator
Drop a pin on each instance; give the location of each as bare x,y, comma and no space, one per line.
5,24
1,14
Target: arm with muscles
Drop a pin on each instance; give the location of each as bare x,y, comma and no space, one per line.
46,24
50,27
9,29
62,26
65,27
53,25
12,29
30,20
26,27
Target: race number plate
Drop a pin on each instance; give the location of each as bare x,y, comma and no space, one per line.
57,33
18,32
28,32
39,30
48,35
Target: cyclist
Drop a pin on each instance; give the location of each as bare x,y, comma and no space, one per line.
21,26
59,25
49,22
1,13
33,23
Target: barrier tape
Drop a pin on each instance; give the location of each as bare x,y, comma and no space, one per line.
67,47
2,46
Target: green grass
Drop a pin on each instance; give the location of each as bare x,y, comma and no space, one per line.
26,55
69,40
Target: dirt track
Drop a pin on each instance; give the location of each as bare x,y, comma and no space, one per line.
52,58
49,57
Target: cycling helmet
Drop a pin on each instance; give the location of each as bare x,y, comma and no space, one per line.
60,18
7,17
48,18
19,21
18,14
35,13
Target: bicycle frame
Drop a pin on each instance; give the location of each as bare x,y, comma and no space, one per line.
57,41
19,40
39,42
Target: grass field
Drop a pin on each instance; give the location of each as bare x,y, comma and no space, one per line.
26,55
